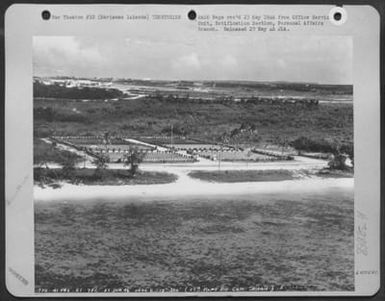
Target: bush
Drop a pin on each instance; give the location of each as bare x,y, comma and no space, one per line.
324,146
348,149
68,166
309,145
178,129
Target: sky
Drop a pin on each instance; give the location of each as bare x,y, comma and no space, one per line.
321,59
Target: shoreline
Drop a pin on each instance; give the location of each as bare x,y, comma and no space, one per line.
193,188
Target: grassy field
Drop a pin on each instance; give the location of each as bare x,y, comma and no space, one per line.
299,241
88,176
234,176
329,173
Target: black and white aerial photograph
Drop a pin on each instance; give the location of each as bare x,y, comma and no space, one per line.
199,164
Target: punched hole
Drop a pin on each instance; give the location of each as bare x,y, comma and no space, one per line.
46,15
192,15
337,16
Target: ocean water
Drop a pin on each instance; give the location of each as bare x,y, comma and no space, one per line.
294,241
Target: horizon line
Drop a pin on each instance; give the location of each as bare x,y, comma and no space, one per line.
196,80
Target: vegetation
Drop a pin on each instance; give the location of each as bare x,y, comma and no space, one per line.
242,123
245,132
221,244
311,145
326,146
133,158
306,87
68,167
47,114
88,176
338,162
335,173
100,163
237,176
44,153
233,176
147,117
55,91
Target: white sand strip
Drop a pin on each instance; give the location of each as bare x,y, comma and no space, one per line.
178,190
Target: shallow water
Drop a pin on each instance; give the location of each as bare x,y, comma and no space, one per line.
301,241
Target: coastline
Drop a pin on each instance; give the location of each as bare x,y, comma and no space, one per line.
180,189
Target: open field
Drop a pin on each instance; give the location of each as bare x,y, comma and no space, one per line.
234,176
87,176
298,240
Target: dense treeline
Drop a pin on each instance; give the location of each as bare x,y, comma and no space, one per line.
322,145
56,91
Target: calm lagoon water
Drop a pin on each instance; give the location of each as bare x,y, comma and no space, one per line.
301,241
